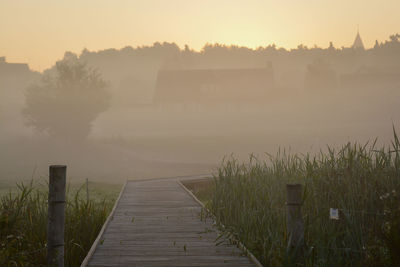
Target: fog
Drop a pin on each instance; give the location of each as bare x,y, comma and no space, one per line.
161,110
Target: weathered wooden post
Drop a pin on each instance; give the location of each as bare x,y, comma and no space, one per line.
56,215
87,190
294,221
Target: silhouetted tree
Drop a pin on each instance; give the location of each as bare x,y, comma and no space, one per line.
376,46
66,102
394,38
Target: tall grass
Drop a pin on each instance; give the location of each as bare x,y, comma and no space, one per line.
23,226
361,180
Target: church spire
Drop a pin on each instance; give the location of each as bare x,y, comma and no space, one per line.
358,43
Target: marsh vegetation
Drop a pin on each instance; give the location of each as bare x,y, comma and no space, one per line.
362,181
23,222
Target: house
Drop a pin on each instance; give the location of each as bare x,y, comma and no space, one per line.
320,76
369,77
8,70
208,86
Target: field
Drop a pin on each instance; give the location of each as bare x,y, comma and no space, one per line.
23,221
362,181
248,202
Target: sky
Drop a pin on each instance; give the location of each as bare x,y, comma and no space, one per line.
38,32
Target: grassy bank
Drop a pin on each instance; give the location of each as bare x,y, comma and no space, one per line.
361,180
23,223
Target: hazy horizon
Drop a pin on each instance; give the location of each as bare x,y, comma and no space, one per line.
196,50
38,33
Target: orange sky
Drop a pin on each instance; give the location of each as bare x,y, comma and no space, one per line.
39,32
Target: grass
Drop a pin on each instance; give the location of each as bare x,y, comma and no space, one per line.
202,188
23,223
361,180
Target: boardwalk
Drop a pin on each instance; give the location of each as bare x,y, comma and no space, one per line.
157,223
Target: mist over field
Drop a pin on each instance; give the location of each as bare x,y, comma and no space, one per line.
162,110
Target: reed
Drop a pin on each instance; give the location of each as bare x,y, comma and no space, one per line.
23,222
361,180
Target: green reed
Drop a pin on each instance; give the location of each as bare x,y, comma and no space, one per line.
23,225
361,180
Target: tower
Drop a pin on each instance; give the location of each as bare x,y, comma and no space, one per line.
358,43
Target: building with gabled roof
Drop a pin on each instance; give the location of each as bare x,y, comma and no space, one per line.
207,86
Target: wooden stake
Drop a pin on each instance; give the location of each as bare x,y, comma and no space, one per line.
56,215
295,224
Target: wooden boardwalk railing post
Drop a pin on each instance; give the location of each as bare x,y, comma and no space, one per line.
56,215
295,224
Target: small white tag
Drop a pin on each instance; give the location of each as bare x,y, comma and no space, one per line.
334,214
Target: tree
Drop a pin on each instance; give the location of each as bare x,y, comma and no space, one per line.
67,101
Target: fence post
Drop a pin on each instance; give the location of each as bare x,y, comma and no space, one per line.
294,221
56,215
87,190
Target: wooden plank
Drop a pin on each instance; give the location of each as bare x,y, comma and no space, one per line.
85,261
157,223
